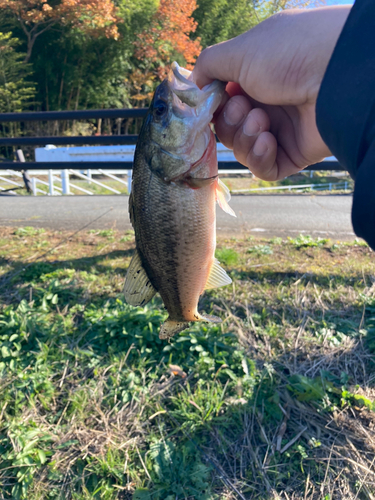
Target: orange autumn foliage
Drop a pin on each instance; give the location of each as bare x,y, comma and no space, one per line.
92,17
168,35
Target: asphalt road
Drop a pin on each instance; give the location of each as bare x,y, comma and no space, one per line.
265,215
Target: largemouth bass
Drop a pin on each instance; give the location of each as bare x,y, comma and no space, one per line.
175,187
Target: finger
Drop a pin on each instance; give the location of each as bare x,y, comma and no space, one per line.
217,63
256,122
231,119
220,108
231,90
268,160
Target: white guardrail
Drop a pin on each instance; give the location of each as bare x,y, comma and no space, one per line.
61,184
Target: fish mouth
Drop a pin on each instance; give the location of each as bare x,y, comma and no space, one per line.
189,101
195,108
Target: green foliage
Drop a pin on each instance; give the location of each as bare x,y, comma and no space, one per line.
91,409
104,233
308,389
261,250
220,20
28,231
357,400
276,241
227,256
15,93
190,476
305,240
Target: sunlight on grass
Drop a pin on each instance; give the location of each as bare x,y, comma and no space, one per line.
95,406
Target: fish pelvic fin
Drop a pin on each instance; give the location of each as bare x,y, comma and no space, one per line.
223,197
138,289
171,328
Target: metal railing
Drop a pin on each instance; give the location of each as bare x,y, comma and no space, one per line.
20,168
95,140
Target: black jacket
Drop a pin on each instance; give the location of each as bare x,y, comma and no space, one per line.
345,111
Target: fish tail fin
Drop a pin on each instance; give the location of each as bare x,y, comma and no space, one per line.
171,328
210,318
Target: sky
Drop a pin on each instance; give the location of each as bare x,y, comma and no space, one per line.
339,2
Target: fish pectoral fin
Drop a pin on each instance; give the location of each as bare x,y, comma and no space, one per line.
210,318
196,183
218,277
223,197
171,328
138,289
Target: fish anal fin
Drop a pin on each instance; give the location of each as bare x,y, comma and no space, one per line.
138,289
171,328
218,277
223,197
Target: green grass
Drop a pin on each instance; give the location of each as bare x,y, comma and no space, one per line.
275,402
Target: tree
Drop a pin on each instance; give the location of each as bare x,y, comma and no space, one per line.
169,37
15,93
220,20
93,17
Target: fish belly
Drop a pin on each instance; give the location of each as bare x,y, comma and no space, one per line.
176,238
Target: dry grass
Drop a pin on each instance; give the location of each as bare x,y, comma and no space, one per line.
286,412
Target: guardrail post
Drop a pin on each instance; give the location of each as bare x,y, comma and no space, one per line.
130,172
330,186
50,182
89,174
33,185
346,185
65,181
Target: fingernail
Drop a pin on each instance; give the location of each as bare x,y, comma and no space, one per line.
233,113
260,148
251,127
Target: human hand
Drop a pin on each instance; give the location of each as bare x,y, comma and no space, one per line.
274,72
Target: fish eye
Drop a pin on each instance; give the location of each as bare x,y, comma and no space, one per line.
160,108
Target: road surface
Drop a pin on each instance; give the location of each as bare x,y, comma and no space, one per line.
263,215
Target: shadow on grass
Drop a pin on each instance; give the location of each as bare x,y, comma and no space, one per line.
23,272
97,378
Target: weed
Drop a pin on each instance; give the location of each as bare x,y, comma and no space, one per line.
261,250
128,236
276,241
227,256
91,407
28,231
104,233
303,241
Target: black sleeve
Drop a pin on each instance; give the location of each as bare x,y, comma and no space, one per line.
345,111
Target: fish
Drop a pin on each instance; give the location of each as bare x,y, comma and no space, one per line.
172,205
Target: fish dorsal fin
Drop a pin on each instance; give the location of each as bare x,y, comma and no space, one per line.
218,277
138,288
223,197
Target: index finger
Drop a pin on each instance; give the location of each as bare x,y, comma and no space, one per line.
219,62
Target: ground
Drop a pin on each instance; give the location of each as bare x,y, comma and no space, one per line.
276,402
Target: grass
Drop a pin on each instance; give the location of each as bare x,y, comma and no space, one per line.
276,402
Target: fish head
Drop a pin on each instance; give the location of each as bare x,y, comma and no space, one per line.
178,122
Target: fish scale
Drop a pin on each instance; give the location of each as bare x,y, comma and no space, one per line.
173,201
